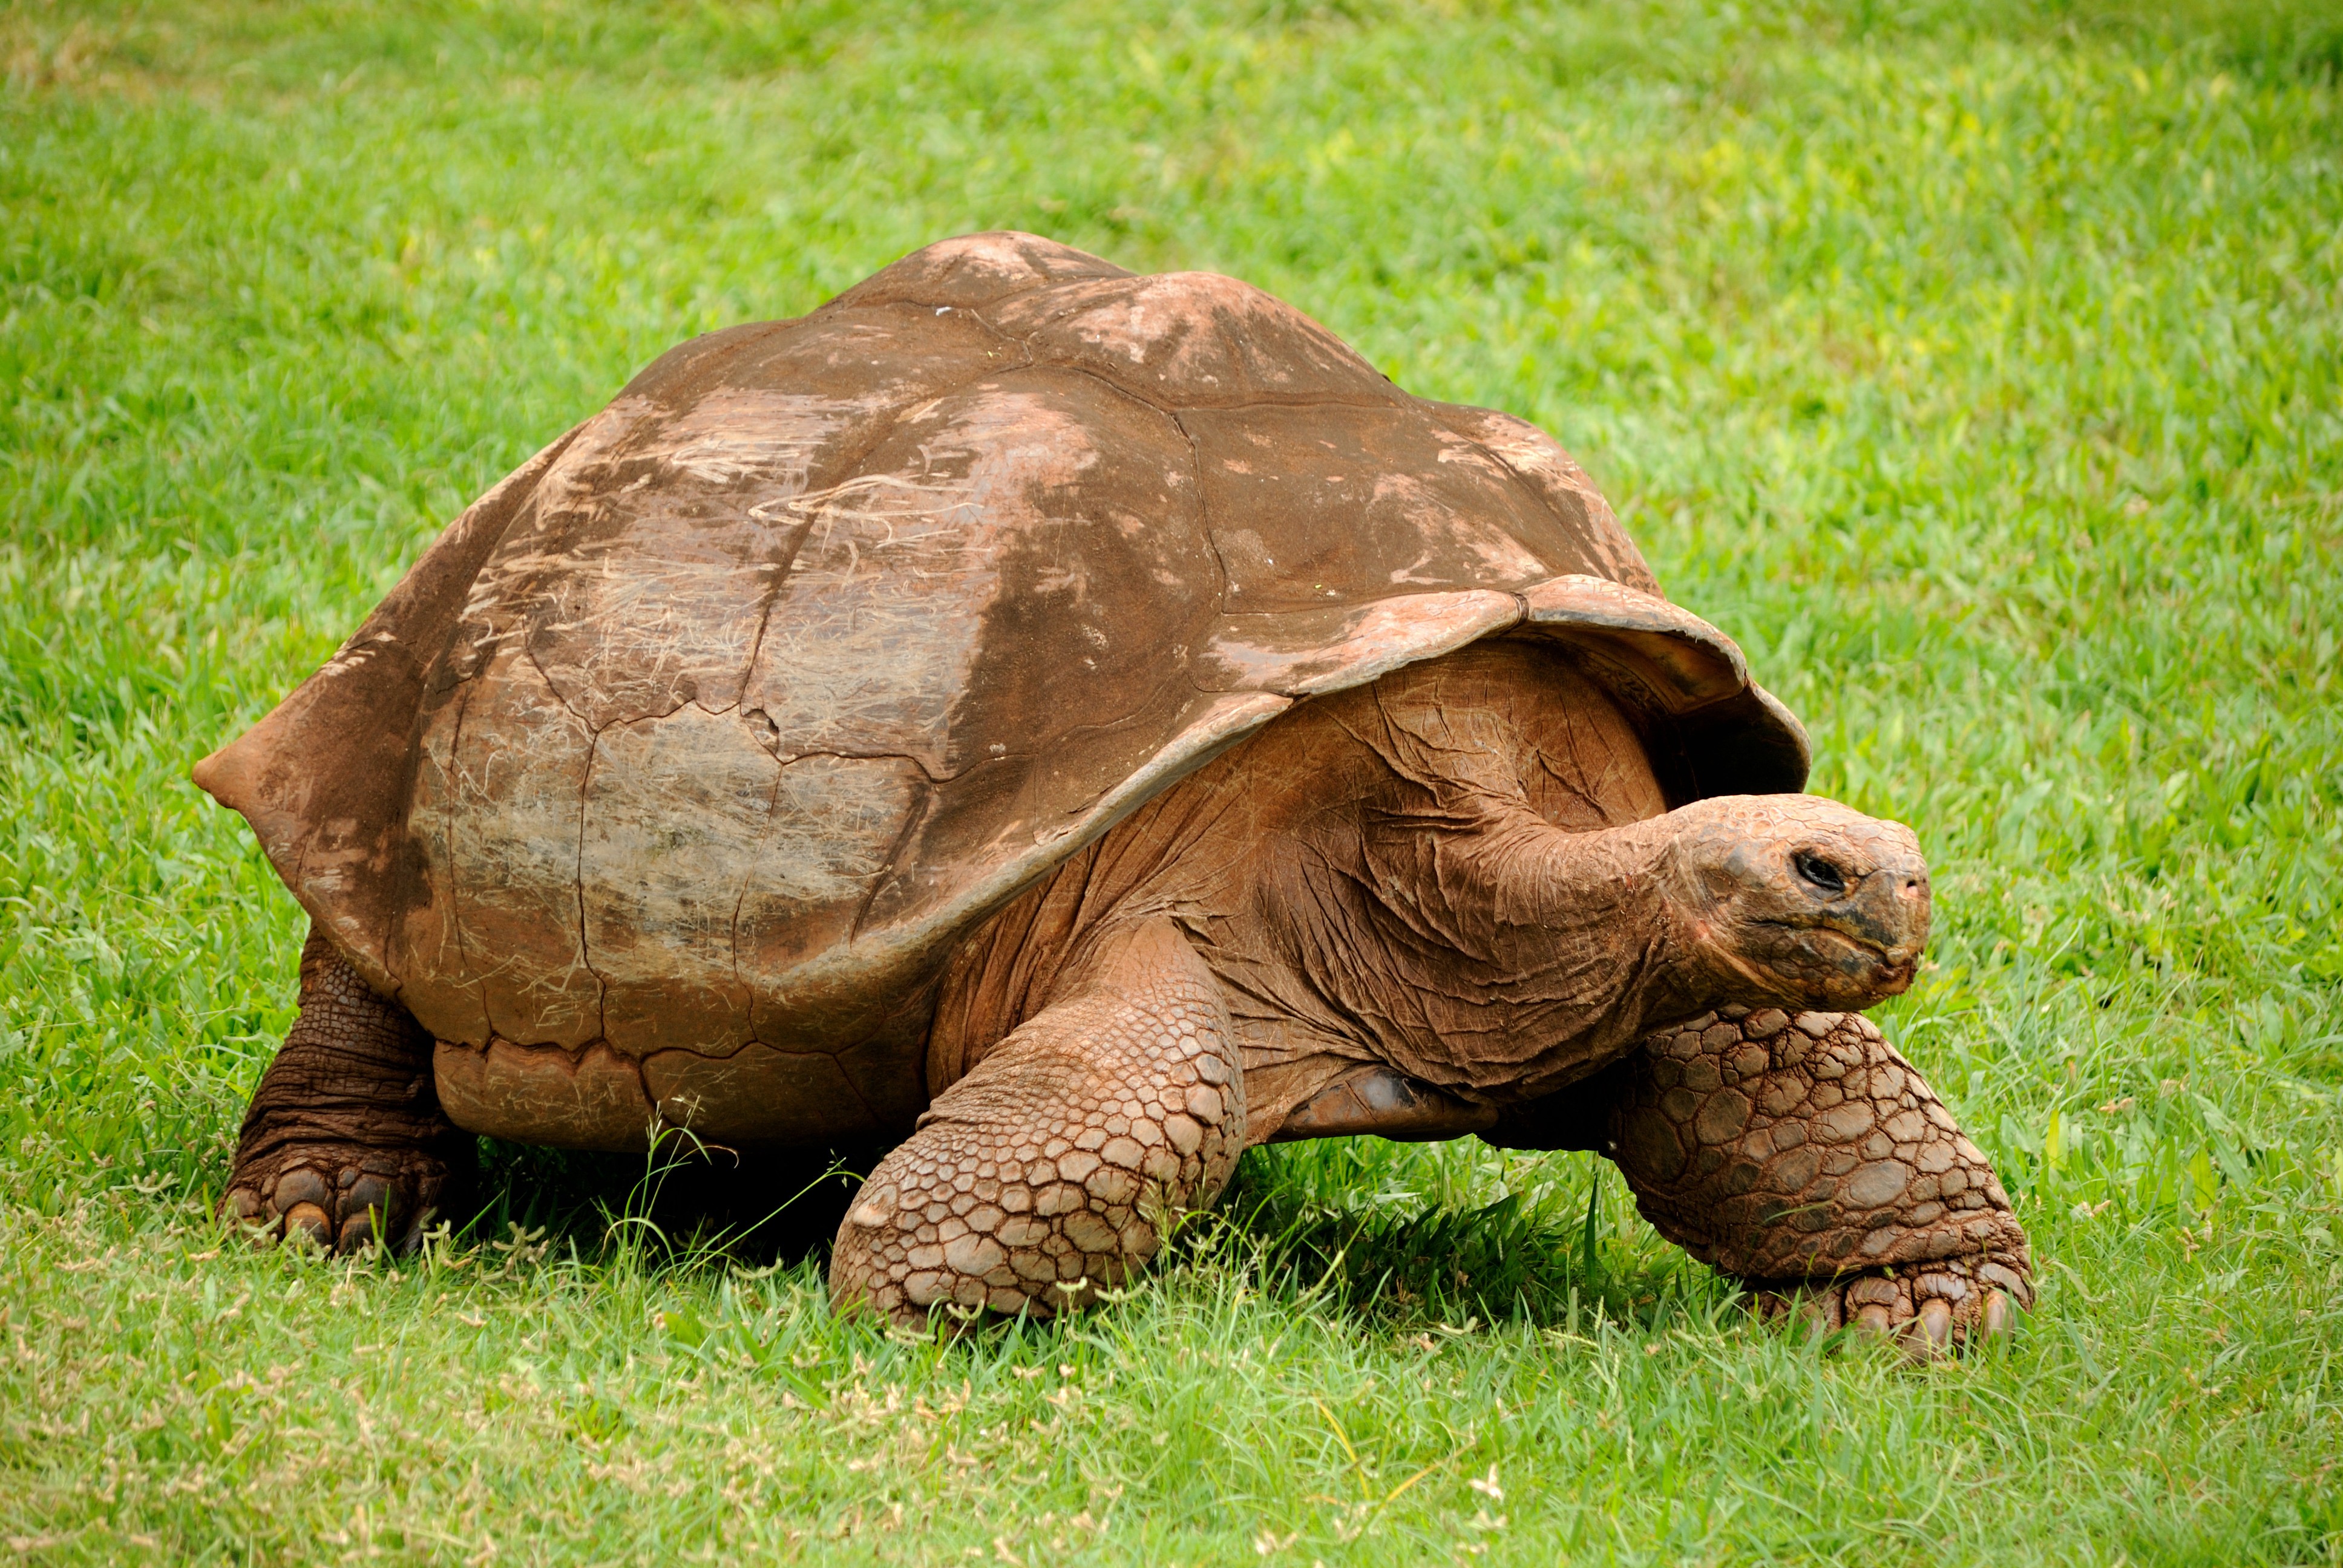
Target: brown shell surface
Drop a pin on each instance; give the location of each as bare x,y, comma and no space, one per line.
698,742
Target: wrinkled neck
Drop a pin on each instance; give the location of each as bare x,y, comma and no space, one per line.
1573,947
1609,907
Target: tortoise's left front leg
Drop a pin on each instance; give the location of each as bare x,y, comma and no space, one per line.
1048,1171
1805,1156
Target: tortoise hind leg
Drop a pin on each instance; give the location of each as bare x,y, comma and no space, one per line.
344,1141
1048,1171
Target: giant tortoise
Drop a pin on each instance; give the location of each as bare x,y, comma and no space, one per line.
1071,726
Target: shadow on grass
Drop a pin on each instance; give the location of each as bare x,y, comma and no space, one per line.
684,1203
1330,1222
1548,1255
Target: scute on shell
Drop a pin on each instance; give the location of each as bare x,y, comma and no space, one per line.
700,741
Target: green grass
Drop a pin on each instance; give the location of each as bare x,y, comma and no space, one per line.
1980,367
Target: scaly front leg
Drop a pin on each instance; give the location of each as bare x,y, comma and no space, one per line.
1050,1169
1803,1156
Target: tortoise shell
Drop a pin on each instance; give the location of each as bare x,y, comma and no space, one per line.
696,744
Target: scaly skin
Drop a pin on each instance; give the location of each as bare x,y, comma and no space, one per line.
344,1142
1050,1169
1802,1155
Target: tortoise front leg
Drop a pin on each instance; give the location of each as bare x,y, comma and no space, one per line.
1807,1157
1050,1169
1803,1156
345,1141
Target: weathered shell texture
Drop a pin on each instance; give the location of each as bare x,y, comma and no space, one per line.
693,746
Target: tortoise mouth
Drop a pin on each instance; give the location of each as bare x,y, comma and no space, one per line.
1895,977
1860,958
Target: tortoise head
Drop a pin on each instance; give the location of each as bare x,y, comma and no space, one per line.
1798,900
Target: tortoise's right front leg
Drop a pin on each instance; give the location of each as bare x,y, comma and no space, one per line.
345,1141
1051,1168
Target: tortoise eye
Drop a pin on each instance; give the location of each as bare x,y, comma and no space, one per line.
1819,872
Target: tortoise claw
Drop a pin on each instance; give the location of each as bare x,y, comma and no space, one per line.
1928,1335
1928,1313
357,1231
307,1222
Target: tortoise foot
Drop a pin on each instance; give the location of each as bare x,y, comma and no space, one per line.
1928,1310
337,1197
344,1143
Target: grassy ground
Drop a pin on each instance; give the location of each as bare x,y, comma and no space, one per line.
1981,368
